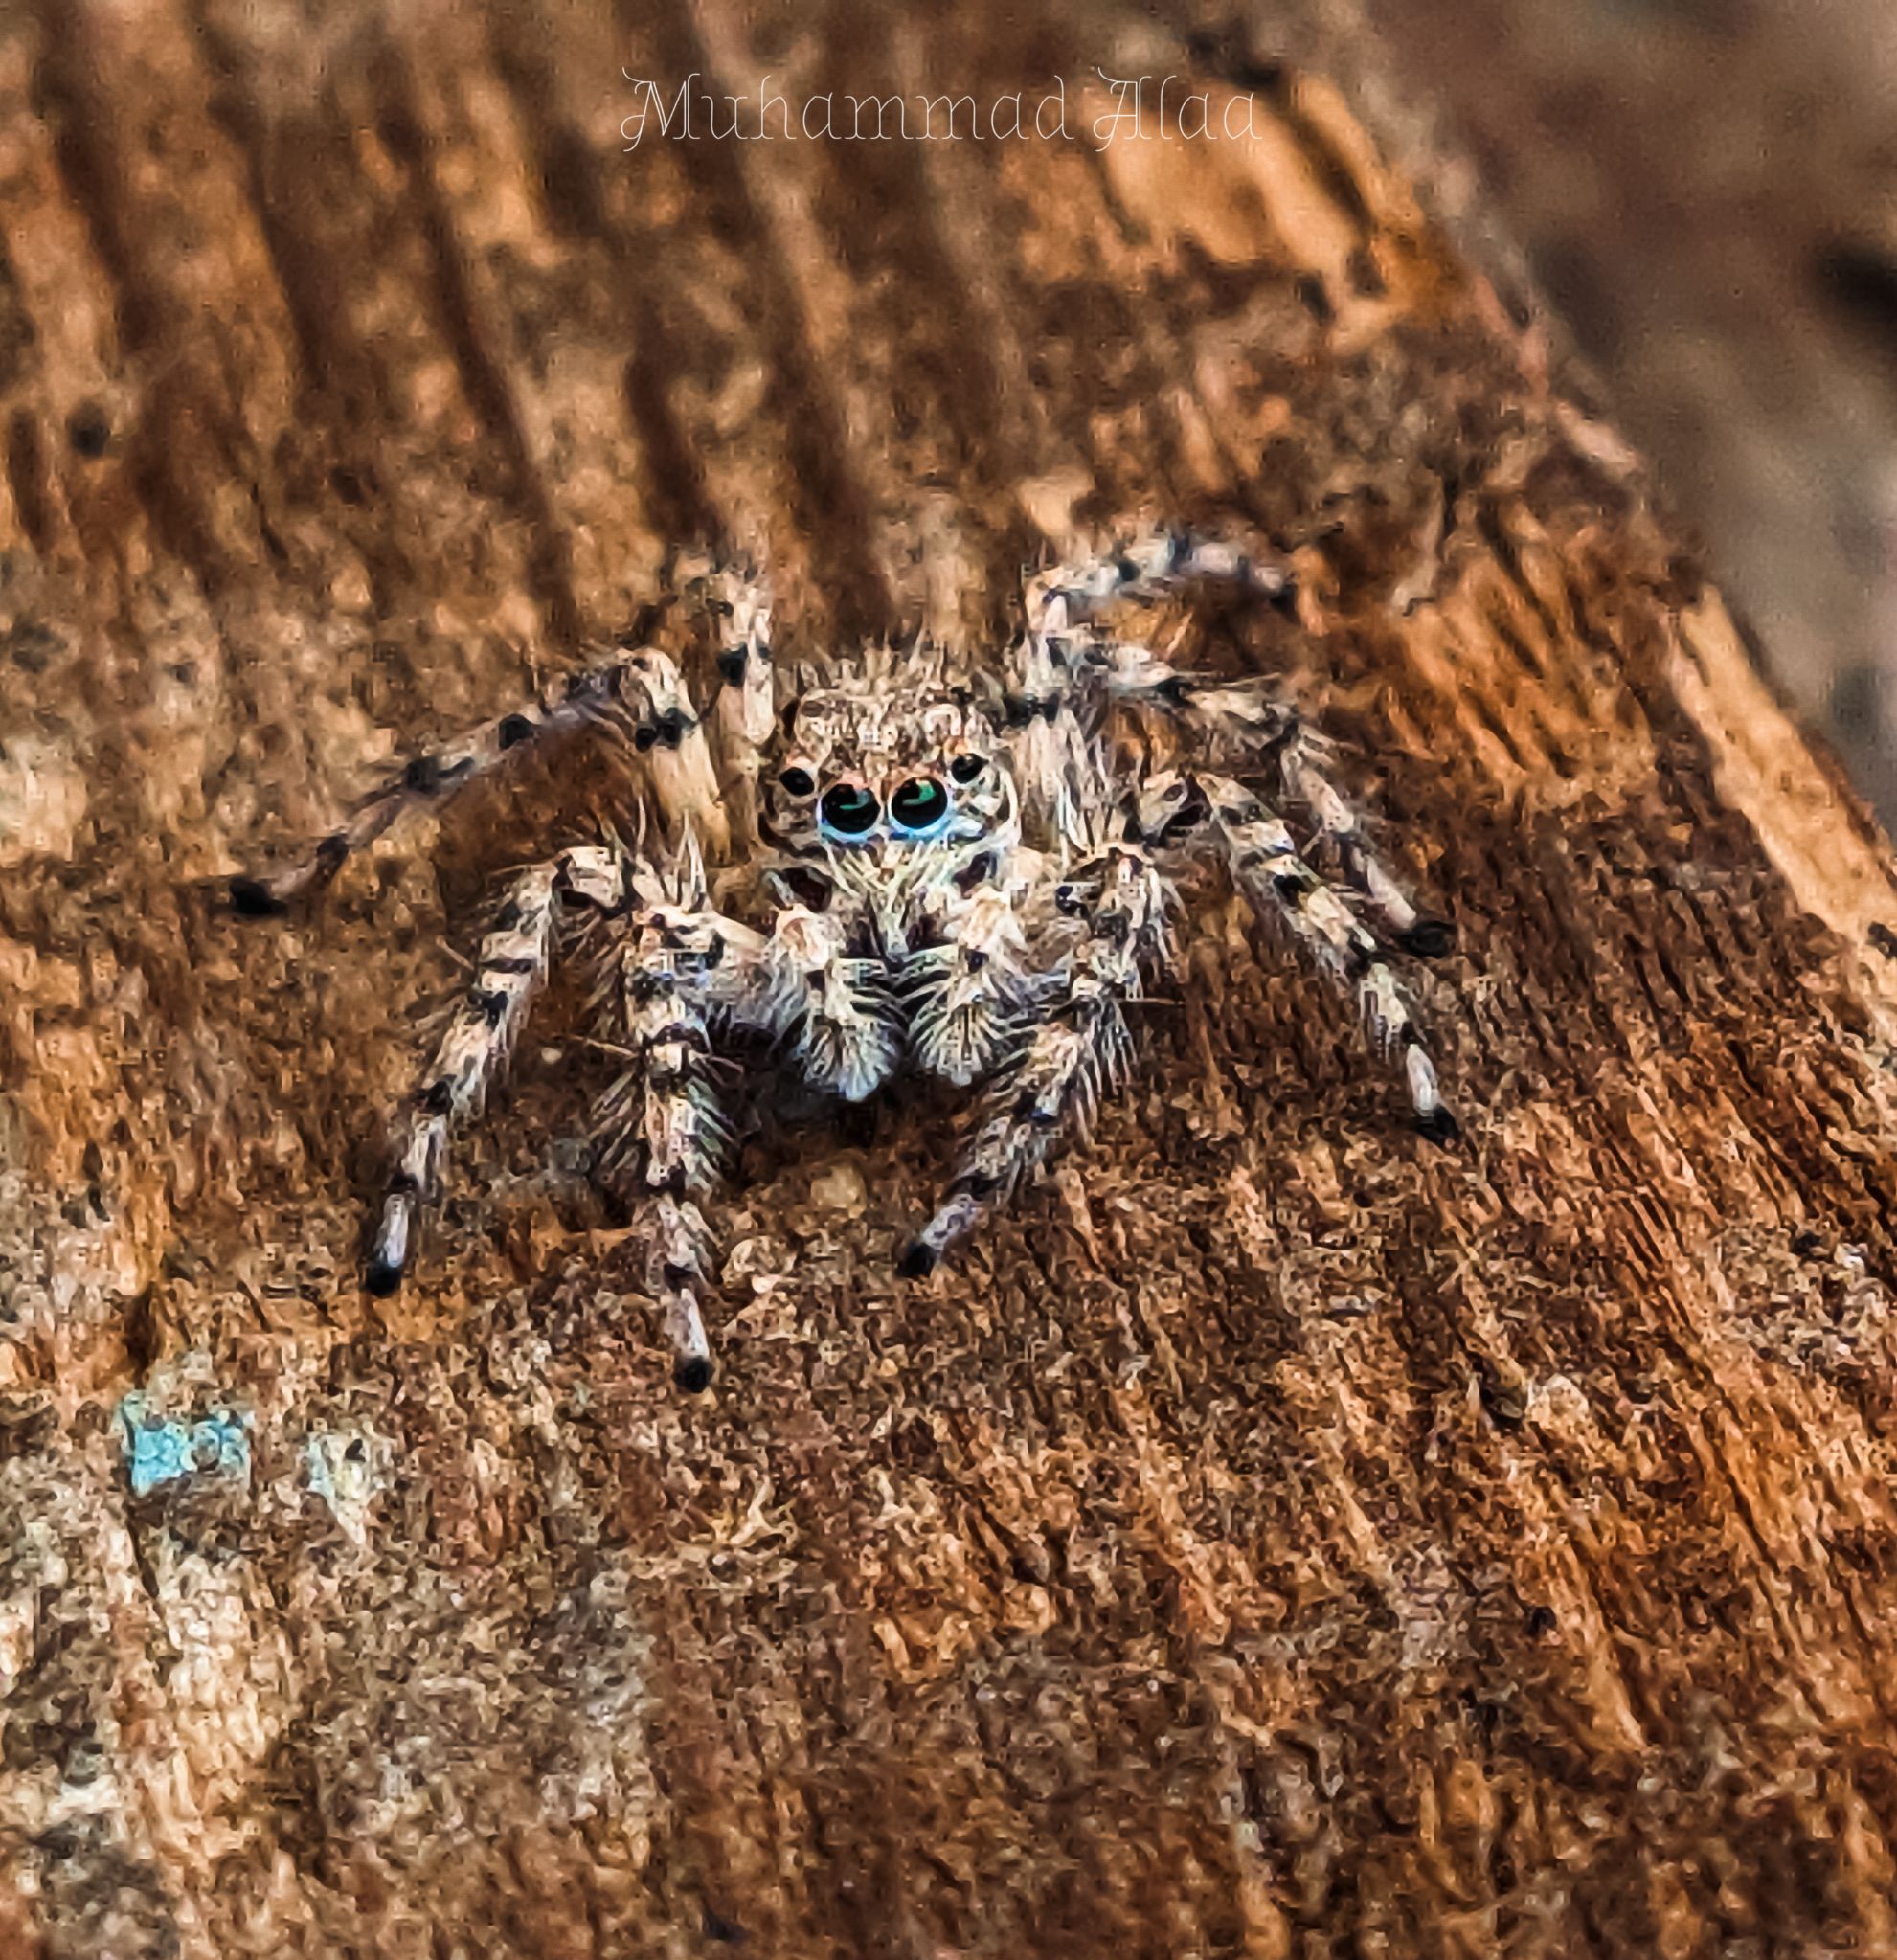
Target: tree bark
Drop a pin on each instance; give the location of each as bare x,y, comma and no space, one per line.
1275,1537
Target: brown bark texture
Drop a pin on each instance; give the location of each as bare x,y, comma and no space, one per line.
1275,1535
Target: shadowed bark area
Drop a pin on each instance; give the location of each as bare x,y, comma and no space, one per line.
1275,1537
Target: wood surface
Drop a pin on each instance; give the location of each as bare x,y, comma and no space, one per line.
1275,1537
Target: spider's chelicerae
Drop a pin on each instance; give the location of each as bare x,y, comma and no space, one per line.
925,866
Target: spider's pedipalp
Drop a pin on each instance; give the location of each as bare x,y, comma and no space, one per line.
1074,1045
840,1010
510,972
963,995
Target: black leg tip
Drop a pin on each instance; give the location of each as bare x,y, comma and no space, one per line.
1428,938
382,1278
253,899
693,1372
1440,1127
918,1260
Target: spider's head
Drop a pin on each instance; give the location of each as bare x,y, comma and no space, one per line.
884,769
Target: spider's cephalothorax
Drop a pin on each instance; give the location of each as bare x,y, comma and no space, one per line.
918,863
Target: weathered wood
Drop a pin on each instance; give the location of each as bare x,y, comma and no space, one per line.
1276,1536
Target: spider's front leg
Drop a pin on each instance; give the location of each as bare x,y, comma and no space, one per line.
512,967
674,971
639,691
1074,1043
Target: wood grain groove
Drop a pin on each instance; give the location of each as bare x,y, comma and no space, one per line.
468,327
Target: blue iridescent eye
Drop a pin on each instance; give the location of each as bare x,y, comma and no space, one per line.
919,804
849,809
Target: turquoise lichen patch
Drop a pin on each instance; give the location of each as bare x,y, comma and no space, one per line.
162,1448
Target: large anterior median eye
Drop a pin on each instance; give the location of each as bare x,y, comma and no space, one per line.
849,809
919,804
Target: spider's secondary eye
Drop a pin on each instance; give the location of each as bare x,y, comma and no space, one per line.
797,782
967,768
918,804
849,809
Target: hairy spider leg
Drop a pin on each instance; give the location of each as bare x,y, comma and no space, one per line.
680,1254
1148,563
641,688
733,602
1067,682
512,967
1236,718
1340,827
1265,864
673,972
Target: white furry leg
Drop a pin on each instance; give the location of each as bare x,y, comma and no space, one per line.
678,1262
1075,1045
1144,565
512,966
673,970
668,733
1342,830
641,691
733,602
1268,869
838,1010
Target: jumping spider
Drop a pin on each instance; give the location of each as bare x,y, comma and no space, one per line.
924,866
